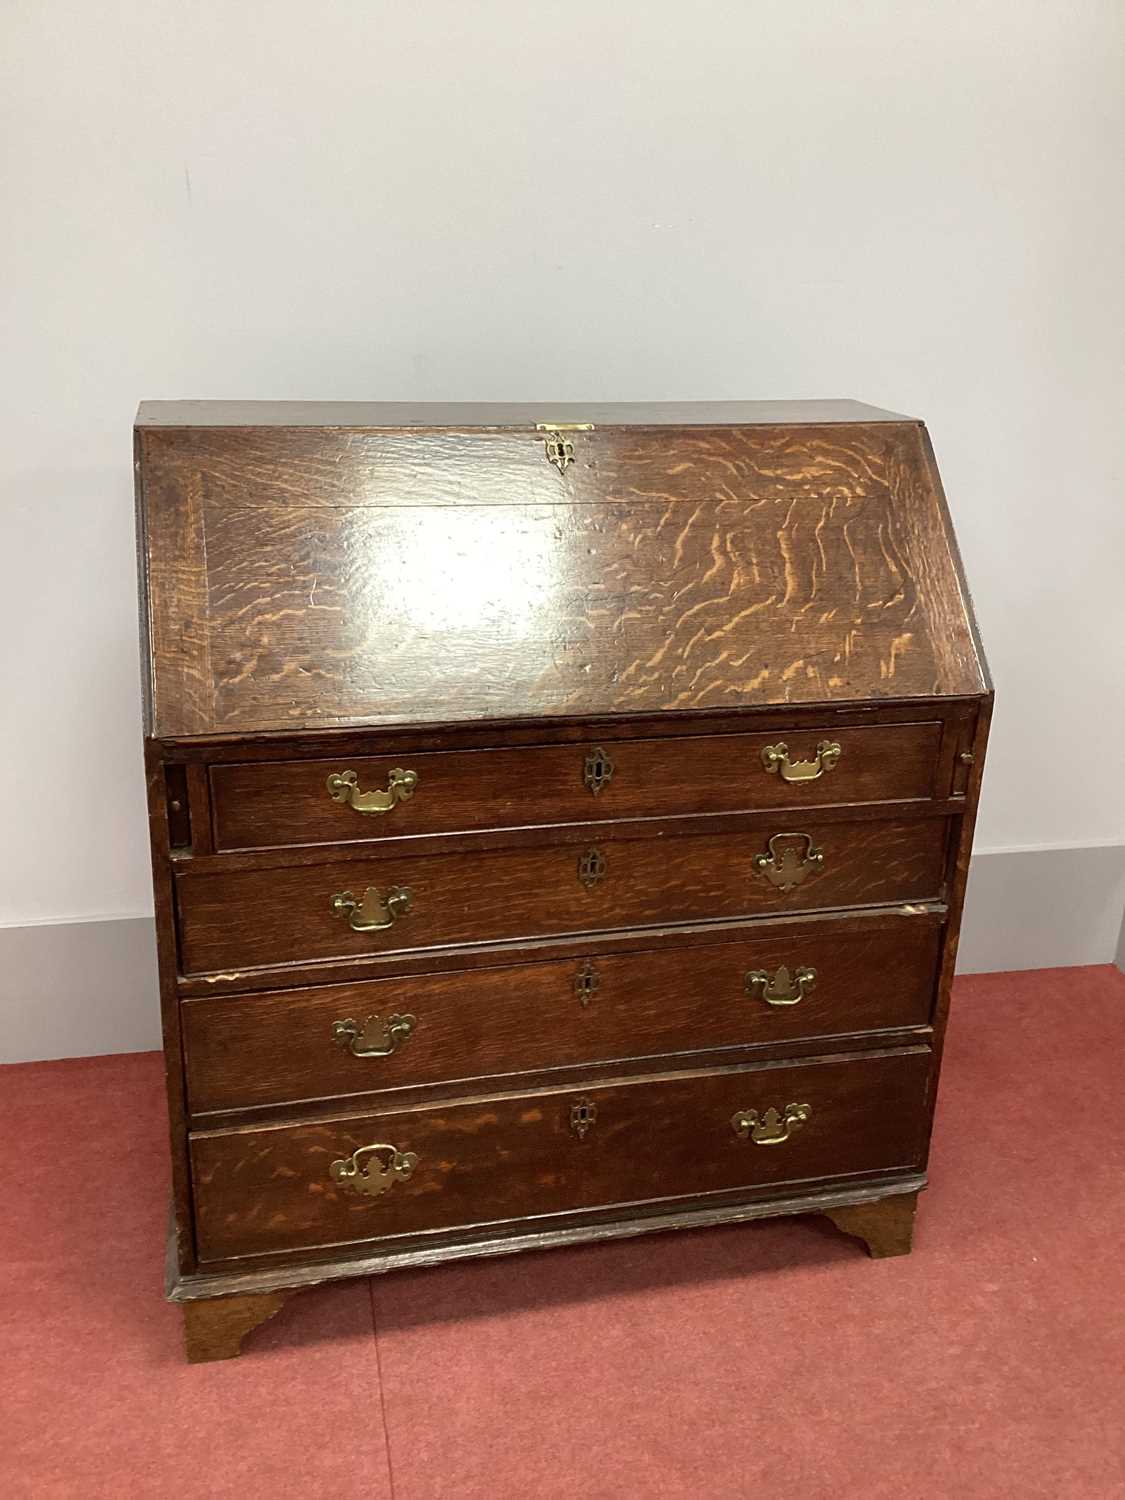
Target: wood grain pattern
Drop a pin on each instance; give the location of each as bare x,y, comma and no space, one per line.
215,1327
569,946
258,1191
251,918
591,1226
398,582
379,577
279,1049
261,805
176,625
273,745
886,1227
975,743
167,963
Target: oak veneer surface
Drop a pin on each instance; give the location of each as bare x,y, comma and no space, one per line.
280,1048
300,577
581,652
248,918
517,1156
285,802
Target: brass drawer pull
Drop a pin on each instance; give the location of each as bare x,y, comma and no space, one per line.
776,758
375,912
375,1037
772,1128
780,988
343,786
785,866
361,1173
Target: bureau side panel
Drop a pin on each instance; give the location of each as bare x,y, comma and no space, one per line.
974,746
164,908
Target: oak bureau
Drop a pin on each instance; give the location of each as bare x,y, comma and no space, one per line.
560,820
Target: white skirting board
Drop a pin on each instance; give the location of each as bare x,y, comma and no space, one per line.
78,989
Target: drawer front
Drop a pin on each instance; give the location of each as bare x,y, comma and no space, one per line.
252,918
393,1033
486,1161
371,797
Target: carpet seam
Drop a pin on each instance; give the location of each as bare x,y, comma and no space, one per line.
382,1392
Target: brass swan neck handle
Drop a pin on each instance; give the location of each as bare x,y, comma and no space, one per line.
375,912
371,1170
786,865
343,787
780,987
374,1037
773,1127
775,758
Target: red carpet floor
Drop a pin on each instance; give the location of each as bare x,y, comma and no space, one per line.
770,1360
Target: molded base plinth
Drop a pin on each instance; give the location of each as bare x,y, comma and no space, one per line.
221,1308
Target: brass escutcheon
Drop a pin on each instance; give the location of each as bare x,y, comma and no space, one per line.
560,449
375,912
343,786
361,1173
771,1128
597,770
592,867
586,983
375,1037
780,988
784,866
776,758
583,1114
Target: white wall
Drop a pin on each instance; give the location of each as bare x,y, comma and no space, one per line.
917,204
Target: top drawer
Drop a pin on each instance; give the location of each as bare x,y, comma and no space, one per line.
358,799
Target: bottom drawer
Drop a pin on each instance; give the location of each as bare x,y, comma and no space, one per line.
405,1171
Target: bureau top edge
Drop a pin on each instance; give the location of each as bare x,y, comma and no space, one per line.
536,728
494,415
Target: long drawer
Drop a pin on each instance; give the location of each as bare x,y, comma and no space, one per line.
374,1176
346,909
274,803
825,980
